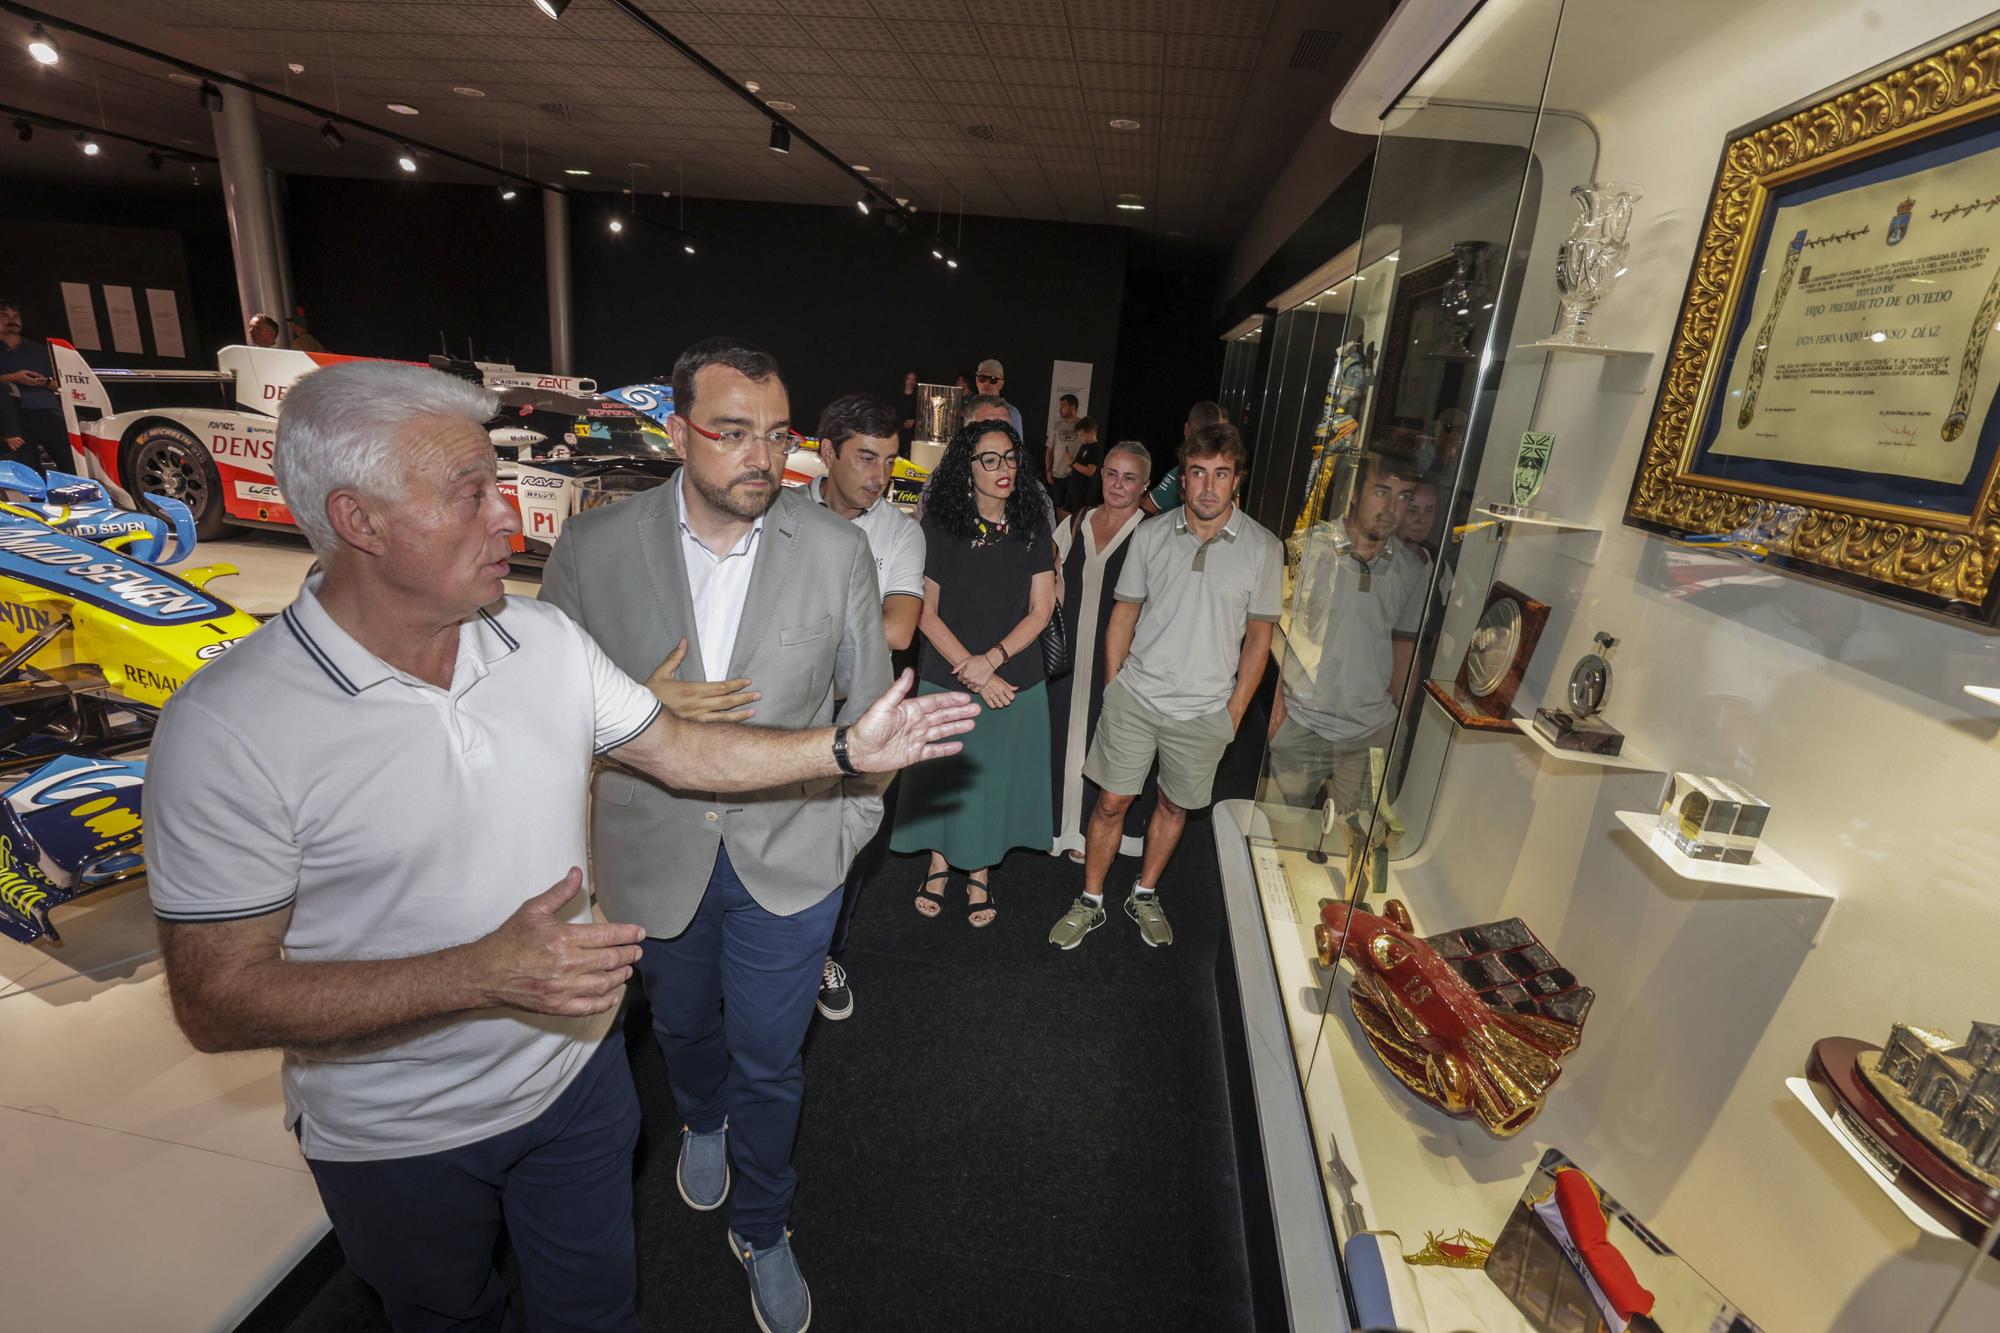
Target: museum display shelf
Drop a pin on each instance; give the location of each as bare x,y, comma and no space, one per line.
1768,872
1577,540
1582,349
1385,1161
1630,760
1918,1218
1984,693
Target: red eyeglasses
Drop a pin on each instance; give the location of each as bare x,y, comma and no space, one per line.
784,440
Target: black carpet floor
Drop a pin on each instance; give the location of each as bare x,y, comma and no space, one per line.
1003,1136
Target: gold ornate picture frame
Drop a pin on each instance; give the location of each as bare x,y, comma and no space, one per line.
1829,401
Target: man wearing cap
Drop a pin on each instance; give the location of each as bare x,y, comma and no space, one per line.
302,339
990,379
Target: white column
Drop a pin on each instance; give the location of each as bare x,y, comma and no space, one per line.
555,242
259,279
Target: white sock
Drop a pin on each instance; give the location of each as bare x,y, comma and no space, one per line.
1141,891
1096,899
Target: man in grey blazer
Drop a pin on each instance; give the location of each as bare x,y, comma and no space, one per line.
738,894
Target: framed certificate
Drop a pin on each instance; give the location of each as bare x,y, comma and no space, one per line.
1829,402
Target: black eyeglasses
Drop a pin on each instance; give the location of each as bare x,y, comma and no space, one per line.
987,379
994,462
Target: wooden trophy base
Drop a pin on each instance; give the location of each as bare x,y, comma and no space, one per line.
1924,1175
1464,710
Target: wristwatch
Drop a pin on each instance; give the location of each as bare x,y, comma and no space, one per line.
840,752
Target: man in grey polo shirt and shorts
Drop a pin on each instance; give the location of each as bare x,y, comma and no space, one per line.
1183,653
1360,601
351,818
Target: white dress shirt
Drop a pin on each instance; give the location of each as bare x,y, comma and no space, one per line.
718,585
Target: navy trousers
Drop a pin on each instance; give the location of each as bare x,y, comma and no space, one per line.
422,1230
731,997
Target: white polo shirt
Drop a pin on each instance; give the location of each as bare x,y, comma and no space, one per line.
393,818
895,540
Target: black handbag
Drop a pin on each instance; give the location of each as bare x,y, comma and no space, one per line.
1058,653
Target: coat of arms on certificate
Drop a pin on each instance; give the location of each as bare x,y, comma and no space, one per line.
1830,396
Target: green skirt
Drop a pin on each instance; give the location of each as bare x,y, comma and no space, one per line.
989,797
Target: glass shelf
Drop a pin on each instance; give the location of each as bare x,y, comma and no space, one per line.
1767,872
1584,349
1630,760
1923,1221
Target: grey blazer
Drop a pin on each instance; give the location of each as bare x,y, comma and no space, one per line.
811,634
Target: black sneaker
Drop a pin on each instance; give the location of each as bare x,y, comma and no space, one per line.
836,998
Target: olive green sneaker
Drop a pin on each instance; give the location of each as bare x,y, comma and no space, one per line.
1152,919
1083,917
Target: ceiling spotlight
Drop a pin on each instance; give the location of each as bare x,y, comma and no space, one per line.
211,96
402,108
951,263
507,190
782,106
406,158
330,134
1124,123
154,161
43,47
753,85
295,67
23,131
666,194
862,204
465,91
1131,203
553,8
616,226
781,138
688,246
936,253
573,171
194,172
90,146
858,167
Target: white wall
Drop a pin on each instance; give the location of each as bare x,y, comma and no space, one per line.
1846,715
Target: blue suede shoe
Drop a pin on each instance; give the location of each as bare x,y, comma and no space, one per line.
703,1173
778,1295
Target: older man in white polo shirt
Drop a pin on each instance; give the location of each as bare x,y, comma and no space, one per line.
353,816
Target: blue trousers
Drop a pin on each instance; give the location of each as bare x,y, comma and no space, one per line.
421,1230
731,997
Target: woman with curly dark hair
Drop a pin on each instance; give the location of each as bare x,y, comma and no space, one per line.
989,589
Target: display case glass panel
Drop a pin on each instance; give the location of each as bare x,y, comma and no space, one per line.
1566,1063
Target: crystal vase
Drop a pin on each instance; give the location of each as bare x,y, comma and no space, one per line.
1592,259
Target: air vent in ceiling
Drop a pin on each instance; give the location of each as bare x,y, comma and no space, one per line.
560,110
1315,48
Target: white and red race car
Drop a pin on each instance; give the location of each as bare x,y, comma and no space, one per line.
217,459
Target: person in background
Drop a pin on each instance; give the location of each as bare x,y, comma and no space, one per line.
1166,492
991,379
1084,486
263,330
774,598
31,424
906,407
302,339
1183,653
857,438
340,869
989,589
1091,550
1059,452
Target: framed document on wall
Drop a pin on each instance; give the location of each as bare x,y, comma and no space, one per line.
1829,400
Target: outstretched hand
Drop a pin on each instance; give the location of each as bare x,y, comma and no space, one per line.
701,700
898,731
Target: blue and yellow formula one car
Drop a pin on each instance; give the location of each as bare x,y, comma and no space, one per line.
94,637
